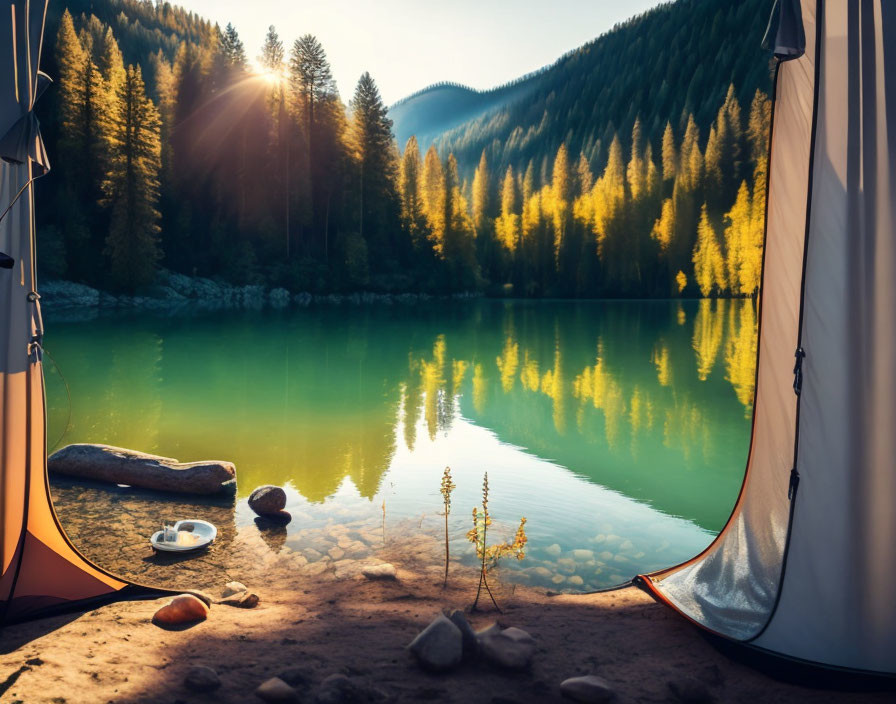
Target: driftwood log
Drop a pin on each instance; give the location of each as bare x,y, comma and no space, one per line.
120,466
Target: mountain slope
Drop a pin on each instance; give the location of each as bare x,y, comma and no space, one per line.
439,108
676,59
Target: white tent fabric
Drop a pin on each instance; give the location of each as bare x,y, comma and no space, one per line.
804,566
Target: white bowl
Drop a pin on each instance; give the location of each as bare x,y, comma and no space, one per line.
204,531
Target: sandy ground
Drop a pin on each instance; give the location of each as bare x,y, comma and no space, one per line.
341,623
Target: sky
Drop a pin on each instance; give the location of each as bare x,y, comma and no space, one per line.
407,45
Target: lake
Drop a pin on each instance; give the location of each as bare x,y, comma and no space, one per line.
619,429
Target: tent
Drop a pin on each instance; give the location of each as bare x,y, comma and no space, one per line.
804,566
40,570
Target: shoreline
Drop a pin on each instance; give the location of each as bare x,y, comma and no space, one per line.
174,292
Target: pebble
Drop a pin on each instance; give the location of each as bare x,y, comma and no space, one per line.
439,646
558,579
275,691
383,571
583,555
202,679
576,581
564,564
589,689
542,571
244,600
554,550
232,588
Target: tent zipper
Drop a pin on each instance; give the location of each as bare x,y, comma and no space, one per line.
798,370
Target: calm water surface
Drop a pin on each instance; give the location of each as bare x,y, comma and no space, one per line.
618,429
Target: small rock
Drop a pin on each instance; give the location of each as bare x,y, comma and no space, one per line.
276,690
576,581
511,648
232,588
267,500
690,690
554,550
468,635
589,689
383,571
336,553
558,579
181,610
542,571
244,600
202,679
439,646
338,689
583,555
295,676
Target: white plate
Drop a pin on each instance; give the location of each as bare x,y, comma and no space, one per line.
203,529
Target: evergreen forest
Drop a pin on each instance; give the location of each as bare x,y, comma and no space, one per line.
635,166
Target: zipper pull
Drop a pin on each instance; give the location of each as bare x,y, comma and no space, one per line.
798,370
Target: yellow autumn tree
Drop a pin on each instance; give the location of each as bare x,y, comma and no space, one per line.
507,226
737,234
432,197
481,195
709,265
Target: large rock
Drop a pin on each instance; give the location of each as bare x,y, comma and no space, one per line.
511,648
202,679
267,500
180,611
243,600
439,646
589,689
120,466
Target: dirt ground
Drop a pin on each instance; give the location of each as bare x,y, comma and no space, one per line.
331,619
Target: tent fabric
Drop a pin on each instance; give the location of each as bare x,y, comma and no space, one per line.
804,566
39,568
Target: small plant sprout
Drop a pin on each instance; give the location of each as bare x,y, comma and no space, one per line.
445,491
489,555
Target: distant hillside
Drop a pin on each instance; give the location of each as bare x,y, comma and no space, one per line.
439,108
676,59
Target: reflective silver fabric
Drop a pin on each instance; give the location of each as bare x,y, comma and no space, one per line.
732,587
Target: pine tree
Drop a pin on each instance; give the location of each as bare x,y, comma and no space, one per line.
310,76
132,186
272,53
231,50
709,265
371,139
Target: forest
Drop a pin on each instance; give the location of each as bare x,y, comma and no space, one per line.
173,149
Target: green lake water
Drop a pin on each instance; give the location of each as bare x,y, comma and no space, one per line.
616,428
